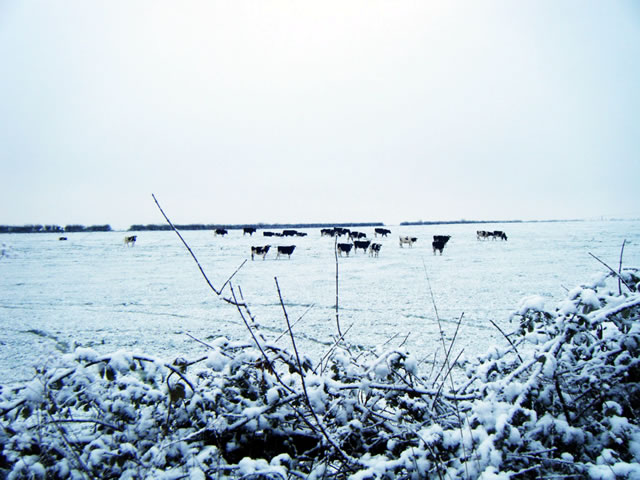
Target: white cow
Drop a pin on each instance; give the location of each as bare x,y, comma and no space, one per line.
408,240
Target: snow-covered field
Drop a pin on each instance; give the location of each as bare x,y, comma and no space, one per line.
94,291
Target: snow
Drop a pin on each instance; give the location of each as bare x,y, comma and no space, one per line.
533,302
93,292
516,406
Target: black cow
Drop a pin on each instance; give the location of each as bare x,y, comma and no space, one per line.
339,231
363,244
353,235
327,232
249,230
382,231
260,251
285,250
289,233
438,246
441,238
267,234
499,234
220,231
374,249
344,248
62,238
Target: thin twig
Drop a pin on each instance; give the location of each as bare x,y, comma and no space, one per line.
233,275
187,246
331,349
304,383
562,402
63,434
270,365
448,354
620,268
296,322
200,341
405,340
446,359
508,340
335,250
613,271
447,374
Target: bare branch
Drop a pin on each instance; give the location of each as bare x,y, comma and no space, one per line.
613,271
187,246
620,268
508,340
335,251
304,383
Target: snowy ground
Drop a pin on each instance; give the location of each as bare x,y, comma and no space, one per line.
93,291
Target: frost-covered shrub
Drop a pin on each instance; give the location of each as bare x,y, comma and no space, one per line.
559,400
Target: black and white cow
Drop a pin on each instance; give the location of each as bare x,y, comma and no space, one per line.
363,244
268,234
381,231
344,248
353,235
483,235
327,232
249,230
260,251
220,231
130,240
374,249
285,250
408,240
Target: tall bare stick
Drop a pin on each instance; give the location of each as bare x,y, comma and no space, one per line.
335,251
186,245
304,383
620,268
613,271
508,340
447,362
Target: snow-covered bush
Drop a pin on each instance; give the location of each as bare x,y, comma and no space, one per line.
559,399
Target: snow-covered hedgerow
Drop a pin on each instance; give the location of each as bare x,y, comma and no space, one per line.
559,400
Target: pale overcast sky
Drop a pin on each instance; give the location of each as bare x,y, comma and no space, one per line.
326,111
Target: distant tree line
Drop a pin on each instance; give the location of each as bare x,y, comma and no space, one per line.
458,222
53,228
200,226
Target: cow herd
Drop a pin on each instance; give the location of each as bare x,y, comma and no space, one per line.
357,240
